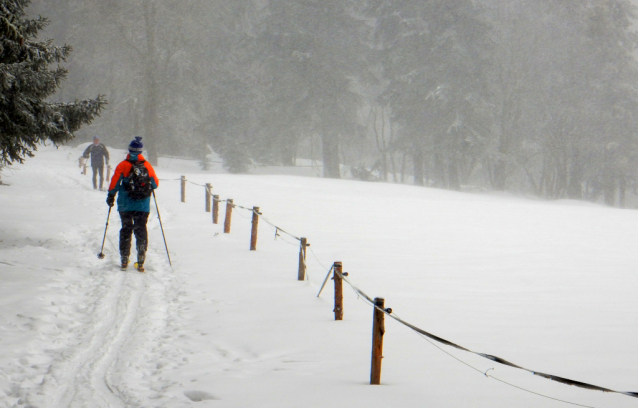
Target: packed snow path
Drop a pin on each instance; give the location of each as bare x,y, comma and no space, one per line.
547,285
96,325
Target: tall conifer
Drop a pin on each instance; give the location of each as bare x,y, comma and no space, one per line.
27,117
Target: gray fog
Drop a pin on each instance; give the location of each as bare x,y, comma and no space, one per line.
537,98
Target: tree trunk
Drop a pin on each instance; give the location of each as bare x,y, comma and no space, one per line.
417,161
330,153
501,167
500,175
384,165
438,170
152,91
609,177
622,189
134,110
403,160
150,121
609,190
453,175
384,149
288,154
575,184
394,168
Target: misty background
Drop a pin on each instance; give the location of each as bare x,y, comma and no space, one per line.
537,98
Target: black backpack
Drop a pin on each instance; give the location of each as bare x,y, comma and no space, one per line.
138,183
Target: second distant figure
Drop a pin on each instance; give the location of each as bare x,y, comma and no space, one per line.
99,154
134,179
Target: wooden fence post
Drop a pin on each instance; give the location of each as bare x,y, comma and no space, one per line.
208,190
301,275
215,209
338,270
253,232
378,330
229,213
183,189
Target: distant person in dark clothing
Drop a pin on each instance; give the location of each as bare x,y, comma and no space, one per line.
98,154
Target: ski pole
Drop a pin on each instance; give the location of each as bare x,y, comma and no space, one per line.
162,228
101,254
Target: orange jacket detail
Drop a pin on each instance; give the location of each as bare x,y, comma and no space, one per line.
124,169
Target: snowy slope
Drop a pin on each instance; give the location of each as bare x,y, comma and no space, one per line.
546,285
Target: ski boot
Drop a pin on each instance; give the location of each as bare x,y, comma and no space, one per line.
141,256
124,263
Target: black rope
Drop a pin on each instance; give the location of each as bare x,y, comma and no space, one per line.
487,356
196,184
277,229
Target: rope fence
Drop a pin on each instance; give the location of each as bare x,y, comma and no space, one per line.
378,305
499,360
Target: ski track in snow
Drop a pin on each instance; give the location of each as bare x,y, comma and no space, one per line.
112,331
86,373
90,373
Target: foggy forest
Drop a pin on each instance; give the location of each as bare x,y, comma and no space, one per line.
537,98
457,163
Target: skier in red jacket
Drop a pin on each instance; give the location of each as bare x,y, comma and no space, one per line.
133,210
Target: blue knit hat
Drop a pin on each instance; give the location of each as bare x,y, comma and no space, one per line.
136,145
96,137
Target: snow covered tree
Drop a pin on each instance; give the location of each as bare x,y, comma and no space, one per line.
434,56
564,97
313,54
235,86
26,81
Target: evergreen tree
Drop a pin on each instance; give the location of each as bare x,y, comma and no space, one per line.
237,88
26,81
563,90
313,54
433,56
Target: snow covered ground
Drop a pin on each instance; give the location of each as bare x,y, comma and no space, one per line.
549,286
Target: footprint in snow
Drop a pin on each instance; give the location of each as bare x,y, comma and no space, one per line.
197,396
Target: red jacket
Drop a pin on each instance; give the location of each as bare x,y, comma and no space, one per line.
123,170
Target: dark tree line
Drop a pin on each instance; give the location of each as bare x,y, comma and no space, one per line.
535,97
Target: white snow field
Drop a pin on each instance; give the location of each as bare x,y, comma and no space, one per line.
549,286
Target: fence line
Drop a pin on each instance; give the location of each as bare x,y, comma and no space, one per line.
426,335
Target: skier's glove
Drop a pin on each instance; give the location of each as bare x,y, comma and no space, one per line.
110,200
